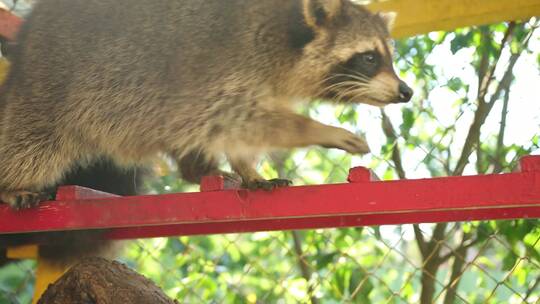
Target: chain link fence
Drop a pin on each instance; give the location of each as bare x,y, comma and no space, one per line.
370,265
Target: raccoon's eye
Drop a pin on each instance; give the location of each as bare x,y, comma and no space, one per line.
369,58
366,63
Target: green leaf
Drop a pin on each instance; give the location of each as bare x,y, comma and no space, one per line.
409,117
461,40
509,261
362,295
324,259
532,252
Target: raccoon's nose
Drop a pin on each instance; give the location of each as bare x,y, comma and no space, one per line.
405,93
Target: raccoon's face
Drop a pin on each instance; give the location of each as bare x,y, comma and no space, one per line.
354,51
366,75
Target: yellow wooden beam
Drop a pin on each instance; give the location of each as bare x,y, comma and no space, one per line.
22,252
424,16
46,272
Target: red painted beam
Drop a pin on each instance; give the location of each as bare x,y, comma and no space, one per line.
9,24
362,202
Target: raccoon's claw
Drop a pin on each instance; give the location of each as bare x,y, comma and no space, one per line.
230,177
24,199
267,185
231,180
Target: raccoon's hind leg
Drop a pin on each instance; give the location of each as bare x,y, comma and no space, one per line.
194,165
30,162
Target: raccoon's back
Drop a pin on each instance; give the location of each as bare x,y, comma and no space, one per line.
113,39
142,41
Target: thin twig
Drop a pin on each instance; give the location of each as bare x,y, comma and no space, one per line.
431,266
485,80
304,267
422,244
500,137
457,270
390,133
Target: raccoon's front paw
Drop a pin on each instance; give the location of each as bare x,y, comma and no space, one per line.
23,199
267,185
345,140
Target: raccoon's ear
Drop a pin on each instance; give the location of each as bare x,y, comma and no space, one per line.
318,13
389,18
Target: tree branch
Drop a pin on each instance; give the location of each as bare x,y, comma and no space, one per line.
304,267
390,133
422,244
432,262
500,137
484,108
457,270
479,155
486,78
484,59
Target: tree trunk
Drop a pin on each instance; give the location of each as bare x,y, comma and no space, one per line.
99,281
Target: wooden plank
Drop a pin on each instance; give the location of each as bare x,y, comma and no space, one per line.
414,16
423,16
362,202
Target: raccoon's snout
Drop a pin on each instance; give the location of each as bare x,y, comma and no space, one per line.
405,92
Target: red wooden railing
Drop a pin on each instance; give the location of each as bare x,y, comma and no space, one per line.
9,24
361,202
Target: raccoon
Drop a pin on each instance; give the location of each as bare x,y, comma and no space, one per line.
196,80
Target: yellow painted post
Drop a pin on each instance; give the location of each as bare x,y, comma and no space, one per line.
4,68
46,273
423,16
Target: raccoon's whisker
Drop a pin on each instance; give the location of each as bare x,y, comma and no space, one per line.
341,84
345,84
330,87
361,93
358,93
330,78
344,93
325,89
353,72
356,90
355,76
